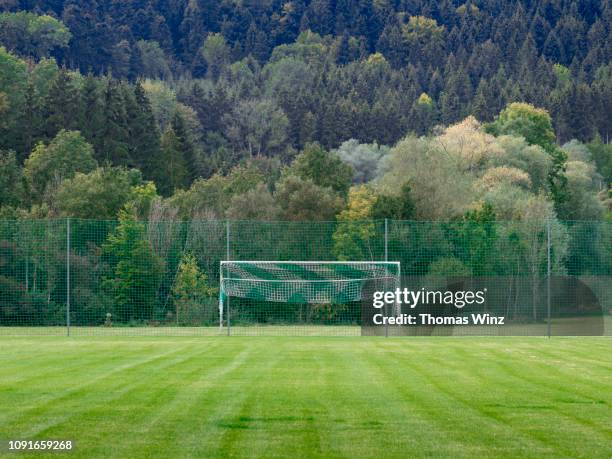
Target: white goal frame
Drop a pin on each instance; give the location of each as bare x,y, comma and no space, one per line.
397,275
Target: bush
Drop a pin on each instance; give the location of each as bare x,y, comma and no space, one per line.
191,292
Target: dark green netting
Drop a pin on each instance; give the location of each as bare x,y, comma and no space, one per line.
137,278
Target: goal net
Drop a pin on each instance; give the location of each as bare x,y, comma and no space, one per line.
305,282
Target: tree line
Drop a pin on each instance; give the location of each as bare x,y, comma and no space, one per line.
432,62
83,146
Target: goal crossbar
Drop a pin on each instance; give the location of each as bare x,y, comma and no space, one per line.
285,262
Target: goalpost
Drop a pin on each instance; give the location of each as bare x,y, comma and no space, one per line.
306,282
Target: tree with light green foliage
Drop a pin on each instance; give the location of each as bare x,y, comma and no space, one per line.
190,291
11,178
519,118
448,267
424,112
13,82
421,29
354,234
135,271
441,188
535,125
532,243
517,153
211,197
153,60
100,194
424,38
255,204
601,153
257,128
216,53
48,165
142,198
302,199
398,206
32,35
162,99
308,47
582,202
477,235
324,168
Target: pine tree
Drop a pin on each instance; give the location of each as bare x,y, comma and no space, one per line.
256,43
171,173
560,104
456,96
436,84
424,114
343,54
539,29
582,113
553,49
192,31
144,139
320,17
391,44
186,148
90,47
307,129
498,95
114,143
31,121
61,105
480,105
91,115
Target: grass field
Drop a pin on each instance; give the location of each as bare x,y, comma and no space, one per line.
304,397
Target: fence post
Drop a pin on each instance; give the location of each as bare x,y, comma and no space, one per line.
227,257
548,268
68,276
386,259
386,239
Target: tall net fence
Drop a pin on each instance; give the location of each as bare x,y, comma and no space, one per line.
86,277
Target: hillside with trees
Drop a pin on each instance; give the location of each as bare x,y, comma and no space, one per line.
286,110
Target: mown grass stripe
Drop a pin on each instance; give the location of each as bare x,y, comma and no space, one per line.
310,397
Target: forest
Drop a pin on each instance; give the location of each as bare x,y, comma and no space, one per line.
144,112
274,110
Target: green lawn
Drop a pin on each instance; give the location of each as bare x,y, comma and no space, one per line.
304,397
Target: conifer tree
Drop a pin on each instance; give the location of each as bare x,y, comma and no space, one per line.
192,31
114,143
171,172
455,97
186,148
144,133
61,105
91,114
31,121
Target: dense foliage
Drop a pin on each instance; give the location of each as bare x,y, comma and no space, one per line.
299,65
340,110
86,146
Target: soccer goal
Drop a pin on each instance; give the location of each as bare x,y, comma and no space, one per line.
303,282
